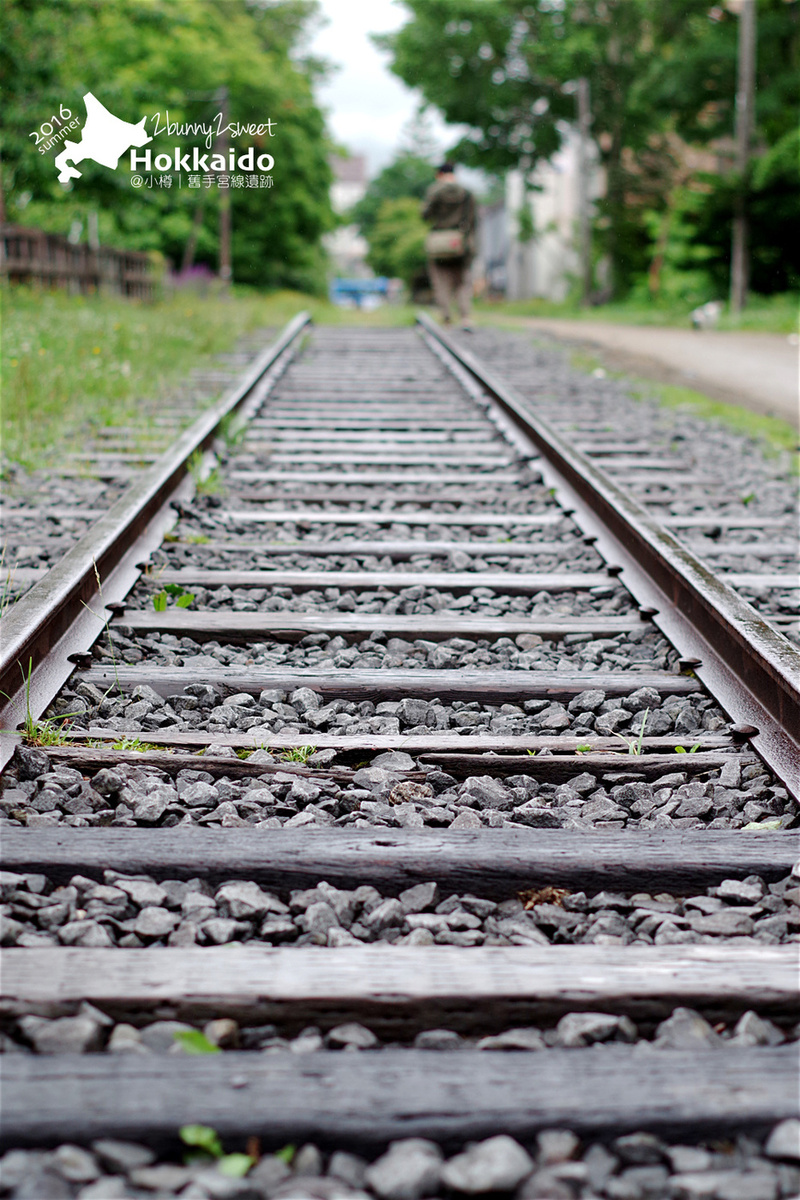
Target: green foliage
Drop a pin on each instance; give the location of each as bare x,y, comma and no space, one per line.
175,591
697,254
635,744
408,175
234,1165
134,743
397,240
389,217
207,1142
49,731
298,754
525,228
656,68
193,1041
773,434
207,483
766,314
142,58
233,429
203,1137
72,364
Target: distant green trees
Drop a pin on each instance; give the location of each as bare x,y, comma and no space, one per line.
140,57
658,70
396,240
389,216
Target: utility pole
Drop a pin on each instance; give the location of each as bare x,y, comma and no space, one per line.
745,111
225,272
584,133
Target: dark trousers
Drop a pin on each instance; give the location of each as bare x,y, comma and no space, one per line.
451,282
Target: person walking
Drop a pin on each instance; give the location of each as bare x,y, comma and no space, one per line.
450,210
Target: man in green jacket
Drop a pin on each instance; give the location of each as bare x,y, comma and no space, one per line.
450,209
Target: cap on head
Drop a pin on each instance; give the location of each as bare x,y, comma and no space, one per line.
445,168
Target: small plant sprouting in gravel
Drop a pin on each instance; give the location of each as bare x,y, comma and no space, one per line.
47,731
208,1148
207,483
232,429
193,1041
134,743
179,594
212,485
298,754
683,750
635,744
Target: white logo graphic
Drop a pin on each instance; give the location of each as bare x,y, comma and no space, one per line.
104,138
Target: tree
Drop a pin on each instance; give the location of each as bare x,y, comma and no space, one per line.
142,58
655,67
397,241
409,175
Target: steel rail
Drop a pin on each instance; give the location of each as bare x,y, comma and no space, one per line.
751,668
62,610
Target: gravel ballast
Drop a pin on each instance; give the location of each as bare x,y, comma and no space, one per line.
380,794
558,1166
139,911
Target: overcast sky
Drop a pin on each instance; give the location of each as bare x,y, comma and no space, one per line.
367,106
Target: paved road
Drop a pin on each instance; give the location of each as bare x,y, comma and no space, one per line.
759,371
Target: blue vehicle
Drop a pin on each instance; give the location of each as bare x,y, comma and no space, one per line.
357,293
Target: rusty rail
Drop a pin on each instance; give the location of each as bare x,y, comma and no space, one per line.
751,668
81,584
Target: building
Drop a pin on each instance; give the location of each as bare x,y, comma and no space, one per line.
345,245
543,262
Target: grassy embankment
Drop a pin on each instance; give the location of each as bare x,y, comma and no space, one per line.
776,314
764,314
771,433
72,364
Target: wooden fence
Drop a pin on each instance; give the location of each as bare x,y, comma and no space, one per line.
31,255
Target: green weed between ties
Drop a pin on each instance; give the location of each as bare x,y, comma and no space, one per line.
298,754
129,743
232,430
49,731
192,1041
206,1146
635,745
175,592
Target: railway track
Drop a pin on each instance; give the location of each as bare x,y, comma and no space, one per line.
453,813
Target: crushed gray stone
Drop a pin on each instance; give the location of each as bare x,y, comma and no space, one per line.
556,1166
